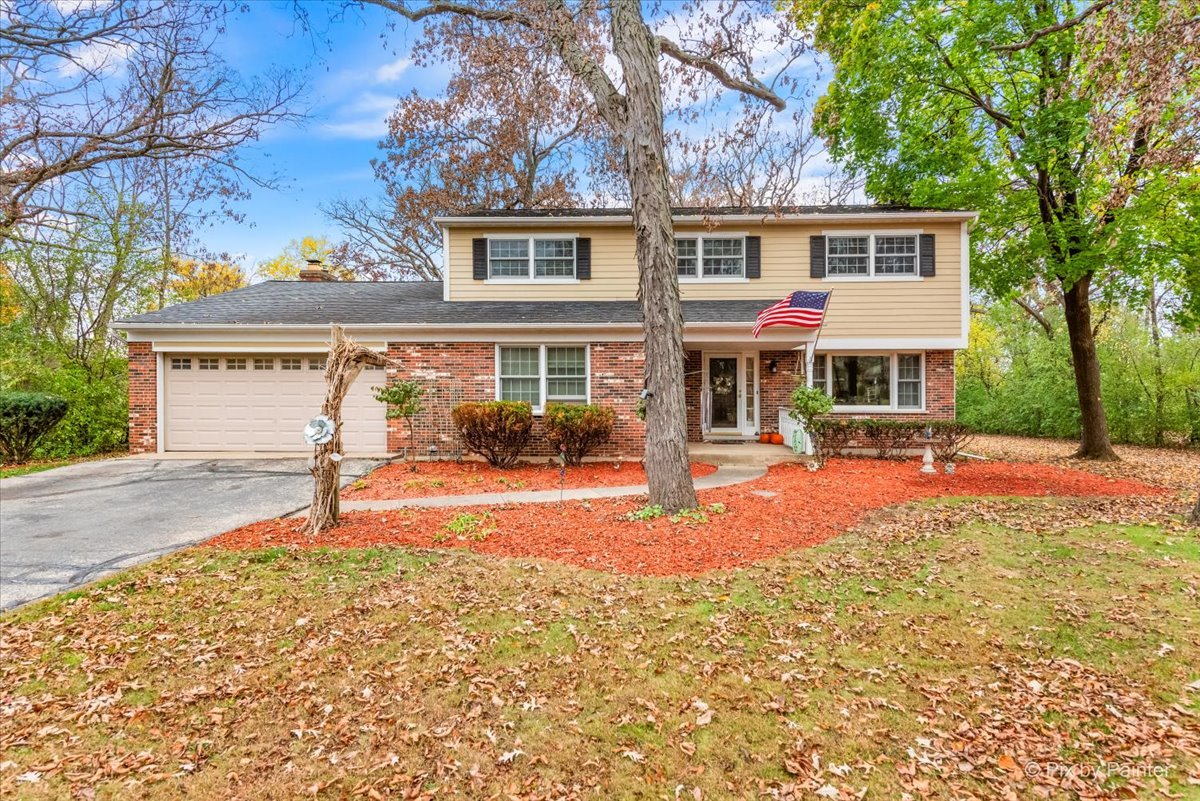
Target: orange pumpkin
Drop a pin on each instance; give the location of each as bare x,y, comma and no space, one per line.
777,438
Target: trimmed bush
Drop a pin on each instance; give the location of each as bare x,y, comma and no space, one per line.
949,438
496,430
574,430
26,417
833,435
889,438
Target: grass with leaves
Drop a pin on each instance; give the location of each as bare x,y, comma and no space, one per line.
937,651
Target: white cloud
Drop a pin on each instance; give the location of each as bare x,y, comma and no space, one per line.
386,73
364,117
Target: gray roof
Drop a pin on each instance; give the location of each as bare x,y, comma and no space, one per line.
413,303
701,211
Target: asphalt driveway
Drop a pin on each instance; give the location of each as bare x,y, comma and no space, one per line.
68,526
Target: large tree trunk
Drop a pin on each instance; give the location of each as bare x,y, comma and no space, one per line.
1095,442
667,469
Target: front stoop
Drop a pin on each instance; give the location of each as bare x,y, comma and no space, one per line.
752,454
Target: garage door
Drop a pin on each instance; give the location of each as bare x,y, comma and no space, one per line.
261,402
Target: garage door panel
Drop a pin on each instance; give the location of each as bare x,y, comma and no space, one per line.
259,409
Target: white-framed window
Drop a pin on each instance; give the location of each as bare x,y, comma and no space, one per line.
866,382
713,257
687,257
533,258
316,364
290,363
180,363
264,364
235,364
209,363
871,255
541,374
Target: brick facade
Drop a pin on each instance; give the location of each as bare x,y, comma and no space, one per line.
775,389
455,373
143,398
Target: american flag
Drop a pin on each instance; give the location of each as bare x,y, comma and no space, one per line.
802,309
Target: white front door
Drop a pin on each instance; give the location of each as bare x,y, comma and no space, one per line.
731,380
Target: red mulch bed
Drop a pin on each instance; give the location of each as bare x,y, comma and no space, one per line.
808,509
397,480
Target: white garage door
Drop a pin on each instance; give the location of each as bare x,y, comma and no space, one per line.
261,402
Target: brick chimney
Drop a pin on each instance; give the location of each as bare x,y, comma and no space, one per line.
315,271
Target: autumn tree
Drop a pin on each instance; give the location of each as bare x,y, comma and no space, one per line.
713,56
287,264
93,84
1051,118
192,279
505,133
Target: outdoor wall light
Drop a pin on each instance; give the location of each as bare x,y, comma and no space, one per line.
772,367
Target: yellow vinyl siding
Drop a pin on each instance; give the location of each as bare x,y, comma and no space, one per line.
931,307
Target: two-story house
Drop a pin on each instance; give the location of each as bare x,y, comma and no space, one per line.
540,306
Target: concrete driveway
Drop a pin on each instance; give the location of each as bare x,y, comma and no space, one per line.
68,526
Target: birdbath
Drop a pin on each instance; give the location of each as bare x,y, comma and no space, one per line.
927,459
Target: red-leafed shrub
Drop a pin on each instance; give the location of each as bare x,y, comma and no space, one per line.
496,430
574,430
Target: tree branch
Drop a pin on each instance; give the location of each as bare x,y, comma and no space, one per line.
1052,29
749,85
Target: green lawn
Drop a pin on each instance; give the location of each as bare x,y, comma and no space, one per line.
915,655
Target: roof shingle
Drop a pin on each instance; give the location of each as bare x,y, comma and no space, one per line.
413,303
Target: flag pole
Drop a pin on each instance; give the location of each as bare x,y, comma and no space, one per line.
824,314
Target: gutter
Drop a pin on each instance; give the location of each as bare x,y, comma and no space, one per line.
625,219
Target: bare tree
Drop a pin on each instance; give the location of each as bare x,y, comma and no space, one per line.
88,84
716,55
503,134
762,159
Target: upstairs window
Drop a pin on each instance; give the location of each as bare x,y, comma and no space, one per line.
532,258
687,265
710,257
871,255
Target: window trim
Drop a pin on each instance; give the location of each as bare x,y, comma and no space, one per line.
871,275
894,406
543,377
531,276
700,277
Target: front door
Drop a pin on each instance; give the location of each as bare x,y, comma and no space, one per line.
732,384
725,389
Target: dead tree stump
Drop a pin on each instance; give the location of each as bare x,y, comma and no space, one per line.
346,360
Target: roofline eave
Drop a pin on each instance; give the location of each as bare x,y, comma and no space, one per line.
625,219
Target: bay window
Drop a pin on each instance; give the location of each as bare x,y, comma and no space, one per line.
541,374
866,255
531,257
871,382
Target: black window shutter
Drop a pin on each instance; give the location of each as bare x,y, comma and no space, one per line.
816,257
927,267
479,253
583,258
754,257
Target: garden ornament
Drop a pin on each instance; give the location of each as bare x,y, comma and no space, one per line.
319,430
927,460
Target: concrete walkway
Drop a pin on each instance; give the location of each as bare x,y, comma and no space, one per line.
723,477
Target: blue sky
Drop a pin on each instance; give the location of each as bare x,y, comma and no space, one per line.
353,78
354,68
